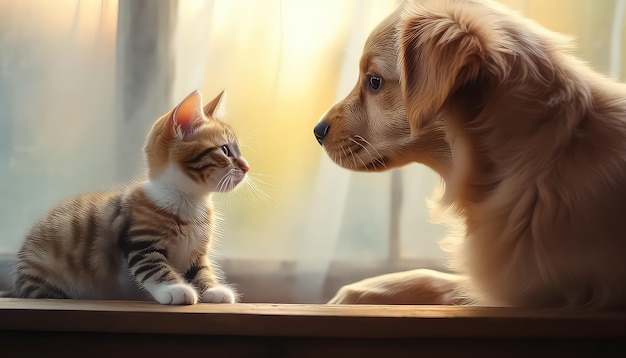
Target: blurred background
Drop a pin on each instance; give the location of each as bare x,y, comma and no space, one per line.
81,81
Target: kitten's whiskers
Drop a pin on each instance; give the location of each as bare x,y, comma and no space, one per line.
255,193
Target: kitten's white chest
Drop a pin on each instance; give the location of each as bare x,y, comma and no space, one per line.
174,192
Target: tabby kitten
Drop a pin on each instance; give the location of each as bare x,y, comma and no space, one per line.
151,239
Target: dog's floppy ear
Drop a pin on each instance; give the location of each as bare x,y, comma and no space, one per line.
441,48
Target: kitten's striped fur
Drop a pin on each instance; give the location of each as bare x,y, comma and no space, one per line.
151,240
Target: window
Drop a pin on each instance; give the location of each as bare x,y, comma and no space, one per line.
81,82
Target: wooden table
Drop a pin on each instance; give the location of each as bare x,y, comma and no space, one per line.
48,328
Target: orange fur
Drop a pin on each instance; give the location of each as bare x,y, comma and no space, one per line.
151,240
534,155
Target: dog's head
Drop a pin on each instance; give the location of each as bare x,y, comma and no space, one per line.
413,64
369,130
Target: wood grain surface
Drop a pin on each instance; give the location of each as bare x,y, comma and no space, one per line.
73,328
305,320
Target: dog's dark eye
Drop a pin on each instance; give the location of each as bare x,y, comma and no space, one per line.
375,83
226,150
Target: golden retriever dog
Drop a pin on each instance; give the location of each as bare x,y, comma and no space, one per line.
530,143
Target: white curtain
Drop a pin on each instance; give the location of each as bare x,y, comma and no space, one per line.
57,99
82,81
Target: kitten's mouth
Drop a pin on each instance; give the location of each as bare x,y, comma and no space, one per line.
230,182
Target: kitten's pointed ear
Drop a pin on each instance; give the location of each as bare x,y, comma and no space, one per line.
187,116
215,108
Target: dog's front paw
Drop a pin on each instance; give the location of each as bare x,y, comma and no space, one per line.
176,294
351,295
219,294
418,287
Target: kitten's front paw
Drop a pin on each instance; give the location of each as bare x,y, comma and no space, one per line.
218,294
176,294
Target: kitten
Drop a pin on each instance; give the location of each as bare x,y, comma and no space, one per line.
151,240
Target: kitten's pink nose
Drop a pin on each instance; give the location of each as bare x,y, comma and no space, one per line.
243,165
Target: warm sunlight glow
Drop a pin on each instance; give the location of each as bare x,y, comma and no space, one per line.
279,62
96,19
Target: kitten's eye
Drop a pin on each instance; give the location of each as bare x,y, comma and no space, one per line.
375,83
226,150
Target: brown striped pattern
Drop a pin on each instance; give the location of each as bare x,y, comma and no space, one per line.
66,241
88,245
72,244
202,165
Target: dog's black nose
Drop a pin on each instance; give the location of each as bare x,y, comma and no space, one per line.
320,131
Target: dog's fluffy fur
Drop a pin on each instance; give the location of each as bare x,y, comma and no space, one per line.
530,143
